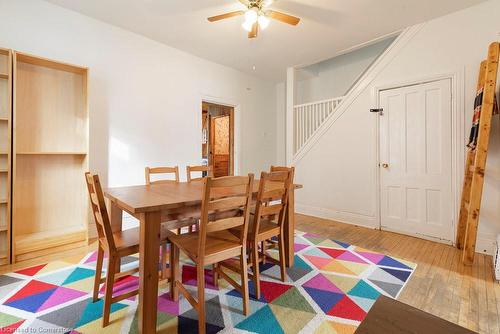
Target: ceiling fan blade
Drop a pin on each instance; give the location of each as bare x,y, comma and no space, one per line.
225,16
255,31
285,18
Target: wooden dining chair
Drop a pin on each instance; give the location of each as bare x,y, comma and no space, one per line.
173,222
267,222
214,242
277,169
198,169
116,244
189,177
164,171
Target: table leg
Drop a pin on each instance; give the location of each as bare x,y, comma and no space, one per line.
115,216
290,230
116,220
148,271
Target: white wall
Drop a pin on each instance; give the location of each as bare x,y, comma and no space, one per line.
339,172
145,97
280,123
334,77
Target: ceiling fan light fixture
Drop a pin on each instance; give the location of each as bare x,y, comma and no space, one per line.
251,15
247,26
263,22
257,16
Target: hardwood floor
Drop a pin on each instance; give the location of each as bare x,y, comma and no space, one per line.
441,285
71,256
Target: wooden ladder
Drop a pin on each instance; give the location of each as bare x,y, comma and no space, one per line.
476,159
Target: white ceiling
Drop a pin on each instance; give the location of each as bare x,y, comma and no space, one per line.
328,27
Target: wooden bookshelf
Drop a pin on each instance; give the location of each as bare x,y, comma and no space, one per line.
5,156
51,153
50,207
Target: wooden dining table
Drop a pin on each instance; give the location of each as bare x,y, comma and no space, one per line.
154,204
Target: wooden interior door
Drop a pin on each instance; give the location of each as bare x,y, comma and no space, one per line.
220,145
415,160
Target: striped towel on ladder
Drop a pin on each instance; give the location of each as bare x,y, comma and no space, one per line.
474,131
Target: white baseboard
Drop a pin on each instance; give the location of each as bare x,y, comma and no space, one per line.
485,242
419,236
340,216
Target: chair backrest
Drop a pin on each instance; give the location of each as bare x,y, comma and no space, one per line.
283,169
225,205
161,170
99,211
272,198
198,169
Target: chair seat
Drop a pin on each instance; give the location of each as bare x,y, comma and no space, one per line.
218,245
267,229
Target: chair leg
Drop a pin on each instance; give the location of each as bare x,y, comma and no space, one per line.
118,266
164,261
264,251
215,275
201,297
281,246
108,295
244,281
255,269
174,269
98,274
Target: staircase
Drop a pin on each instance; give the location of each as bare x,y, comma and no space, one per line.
307,118
307,123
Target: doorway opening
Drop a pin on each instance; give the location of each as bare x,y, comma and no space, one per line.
218,138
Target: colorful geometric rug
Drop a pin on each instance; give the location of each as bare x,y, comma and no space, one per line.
329,290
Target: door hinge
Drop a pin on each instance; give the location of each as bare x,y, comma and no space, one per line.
380,111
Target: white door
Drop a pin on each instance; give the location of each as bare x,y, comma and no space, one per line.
415,160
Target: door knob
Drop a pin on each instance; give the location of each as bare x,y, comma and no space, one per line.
385,165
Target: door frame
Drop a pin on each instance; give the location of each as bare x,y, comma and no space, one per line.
234,126
457,144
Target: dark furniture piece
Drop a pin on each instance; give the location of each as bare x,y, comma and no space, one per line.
388,316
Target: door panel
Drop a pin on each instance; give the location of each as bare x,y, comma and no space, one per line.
415,143
221,146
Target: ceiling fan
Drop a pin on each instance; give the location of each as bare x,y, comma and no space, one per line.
257,16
